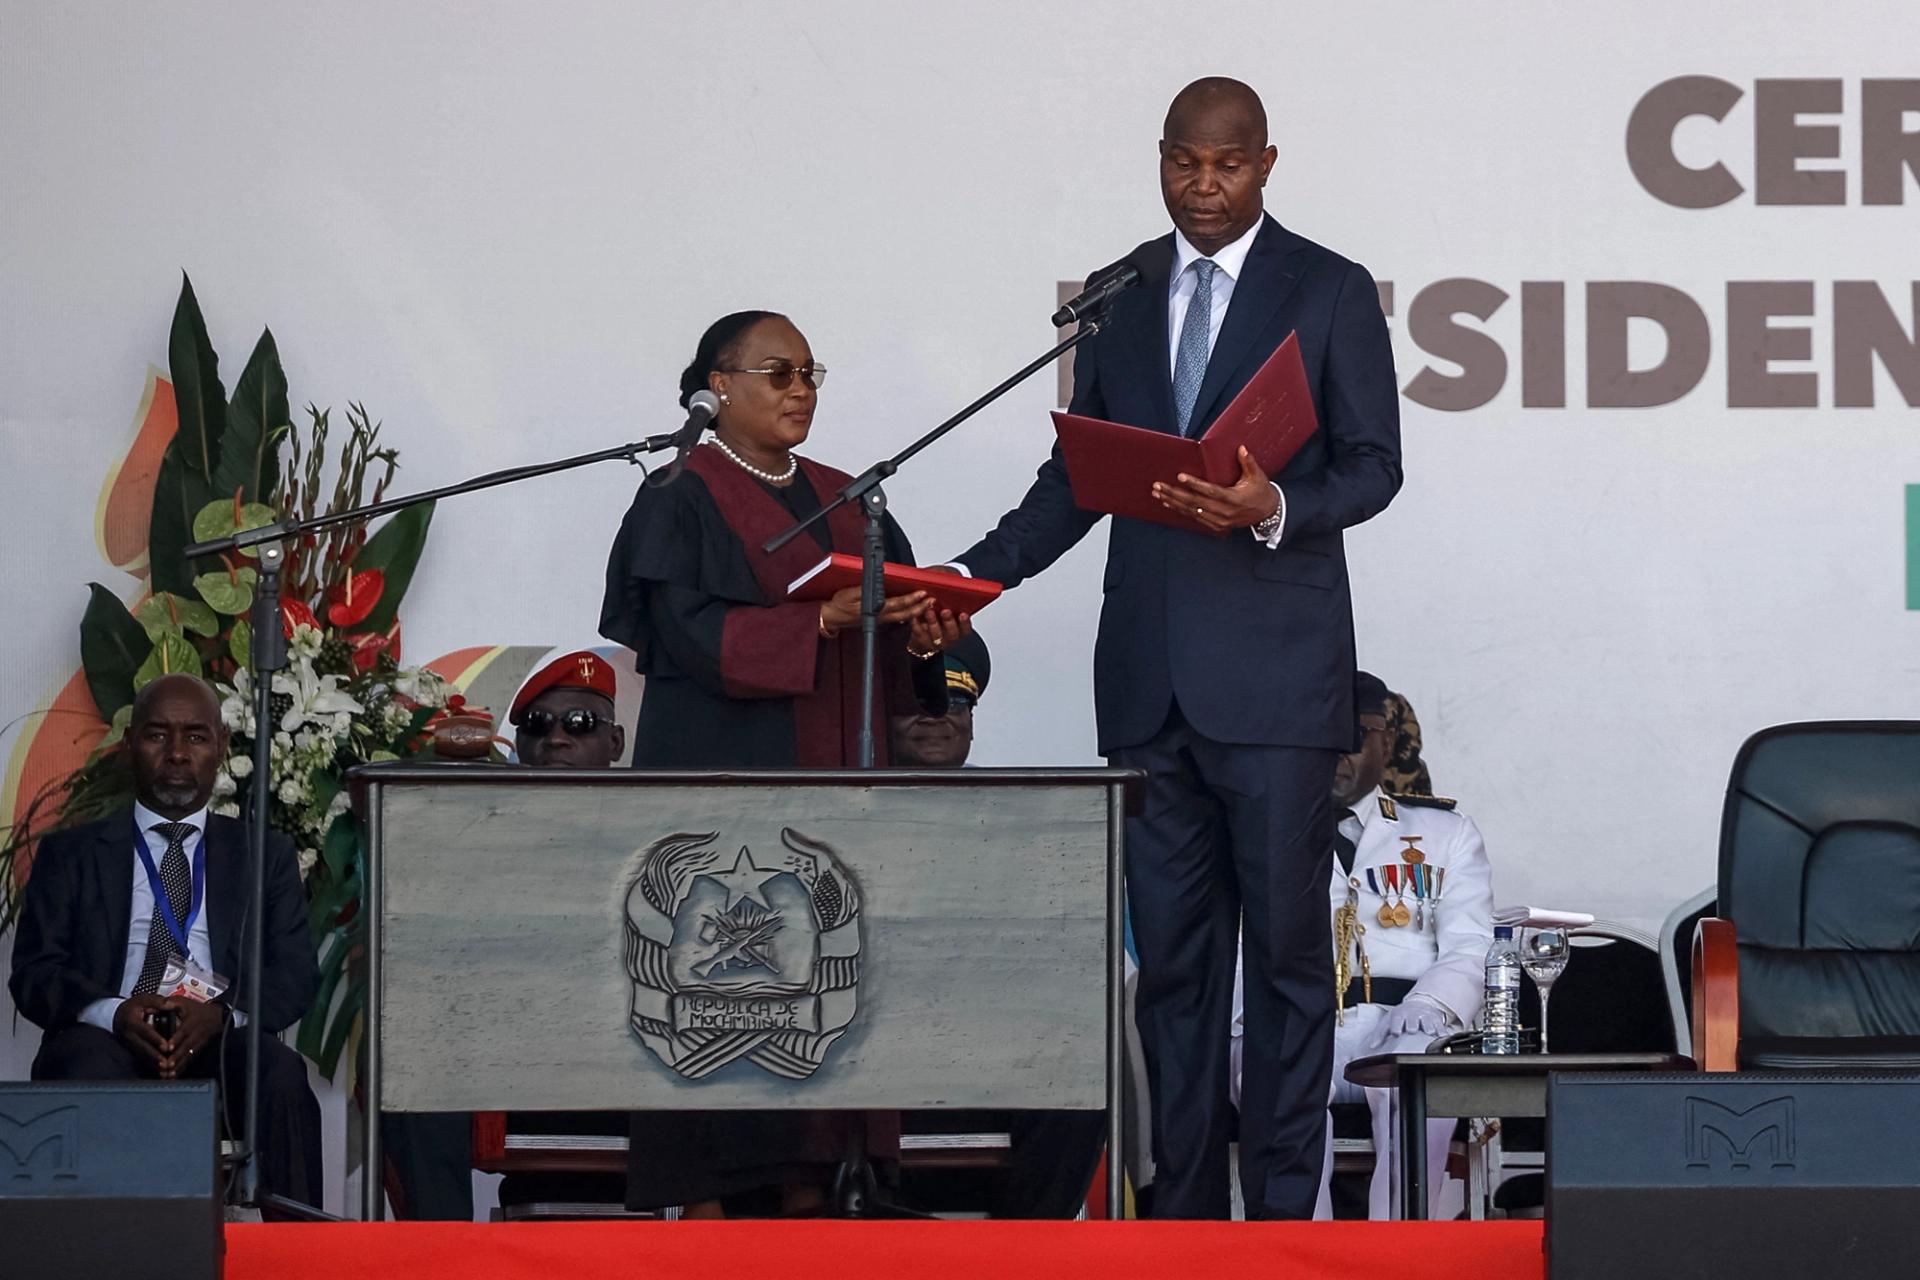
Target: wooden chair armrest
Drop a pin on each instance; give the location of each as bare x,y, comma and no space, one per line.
1716,996
489,1138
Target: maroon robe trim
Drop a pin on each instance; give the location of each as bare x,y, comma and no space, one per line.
776,650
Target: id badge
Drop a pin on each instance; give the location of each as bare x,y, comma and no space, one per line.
189,981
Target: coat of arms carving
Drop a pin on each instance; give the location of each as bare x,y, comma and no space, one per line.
736,955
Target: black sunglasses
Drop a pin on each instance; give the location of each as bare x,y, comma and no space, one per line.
578,722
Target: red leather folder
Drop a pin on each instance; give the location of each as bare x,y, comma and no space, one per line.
949,590
1113,467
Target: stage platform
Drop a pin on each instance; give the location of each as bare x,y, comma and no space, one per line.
853,1250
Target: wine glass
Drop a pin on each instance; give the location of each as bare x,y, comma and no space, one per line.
1544,956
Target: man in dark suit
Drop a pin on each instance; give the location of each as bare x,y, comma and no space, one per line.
1225,658
100,924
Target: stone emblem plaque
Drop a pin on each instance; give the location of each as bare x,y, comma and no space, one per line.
738,955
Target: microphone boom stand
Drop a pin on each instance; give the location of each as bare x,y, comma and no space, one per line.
855,1189
865,489
269,654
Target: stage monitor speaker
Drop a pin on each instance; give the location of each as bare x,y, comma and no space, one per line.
1755,1176
109,1180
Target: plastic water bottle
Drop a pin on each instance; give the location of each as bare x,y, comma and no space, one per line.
1500,1016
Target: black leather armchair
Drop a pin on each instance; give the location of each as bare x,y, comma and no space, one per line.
1814,961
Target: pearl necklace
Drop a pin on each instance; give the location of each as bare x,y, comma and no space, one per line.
793,464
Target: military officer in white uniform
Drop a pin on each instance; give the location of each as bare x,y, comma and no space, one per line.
1412,898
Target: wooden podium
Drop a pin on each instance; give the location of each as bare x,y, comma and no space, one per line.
578,940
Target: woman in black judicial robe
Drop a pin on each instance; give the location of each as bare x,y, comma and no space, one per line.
738,677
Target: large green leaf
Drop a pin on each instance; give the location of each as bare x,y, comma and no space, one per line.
113,644
215,520
343,835
395,551
197,393
231,594
313,1027
167,613
185,482
177,494
171,655
256,421
240,642
344,1022
333,897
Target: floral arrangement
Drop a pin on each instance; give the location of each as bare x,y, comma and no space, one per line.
327,719
342,700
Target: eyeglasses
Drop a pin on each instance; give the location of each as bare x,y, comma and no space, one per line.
780,373
578,722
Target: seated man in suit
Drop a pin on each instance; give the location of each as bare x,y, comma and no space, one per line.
1424,974
112,905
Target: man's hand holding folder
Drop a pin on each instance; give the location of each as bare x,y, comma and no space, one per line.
1251,499
1220,481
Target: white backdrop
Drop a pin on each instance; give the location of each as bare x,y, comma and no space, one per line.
503,226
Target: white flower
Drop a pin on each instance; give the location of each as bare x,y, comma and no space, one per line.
236,705
304,643
292,792
313,696
223,784
422,686
227,809
307,858
240,766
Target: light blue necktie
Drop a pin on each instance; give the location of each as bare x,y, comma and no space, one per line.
1190,364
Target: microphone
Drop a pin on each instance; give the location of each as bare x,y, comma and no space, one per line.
1122,275
700,411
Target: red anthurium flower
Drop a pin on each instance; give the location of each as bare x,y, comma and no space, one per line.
457,705
294,613
353,600
369,645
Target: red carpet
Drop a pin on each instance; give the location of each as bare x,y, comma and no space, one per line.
894,1250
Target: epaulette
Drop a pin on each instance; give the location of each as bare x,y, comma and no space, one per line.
1428,802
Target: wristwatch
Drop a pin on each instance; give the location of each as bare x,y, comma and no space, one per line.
1268,530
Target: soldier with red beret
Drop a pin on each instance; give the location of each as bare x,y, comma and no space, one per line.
564,717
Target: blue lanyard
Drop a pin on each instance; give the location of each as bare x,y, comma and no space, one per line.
160,899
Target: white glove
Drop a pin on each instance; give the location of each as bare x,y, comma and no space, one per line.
1416,1015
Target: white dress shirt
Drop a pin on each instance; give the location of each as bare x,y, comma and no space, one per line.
199,942
1230,261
